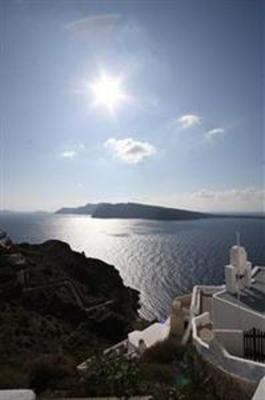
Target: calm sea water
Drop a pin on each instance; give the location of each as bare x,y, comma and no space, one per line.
160,259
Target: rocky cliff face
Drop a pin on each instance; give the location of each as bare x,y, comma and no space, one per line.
55,300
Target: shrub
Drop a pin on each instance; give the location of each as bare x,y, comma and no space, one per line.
48,372
11,376
140,324
163,352
158,373
108,375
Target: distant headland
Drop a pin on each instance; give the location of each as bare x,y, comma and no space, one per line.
133,210
145,211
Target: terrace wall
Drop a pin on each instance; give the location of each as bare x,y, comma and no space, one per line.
216,354
227,315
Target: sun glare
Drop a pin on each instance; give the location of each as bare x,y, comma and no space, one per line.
108,92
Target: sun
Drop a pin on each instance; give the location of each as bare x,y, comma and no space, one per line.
108,92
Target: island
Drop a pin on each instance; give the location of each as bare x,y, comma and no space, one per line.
134,211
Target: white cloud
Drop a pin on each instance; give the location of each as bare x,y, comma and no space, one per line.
232,200
248,199
213,133
95,27
69,154
244,195
73,151
189,120
130,151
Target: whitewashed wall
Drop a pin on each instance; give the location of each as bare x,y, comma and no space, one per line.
231,340
229,316
260,392
218,356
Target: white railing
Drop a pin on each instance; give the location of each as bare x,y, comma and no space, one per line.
201,320
195,301
117,348
121,349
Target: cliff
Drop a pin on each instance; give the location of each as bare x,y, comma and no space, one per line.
53,299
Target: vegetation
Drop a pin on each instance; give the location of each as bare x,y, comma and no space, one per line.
140,324
109,375
49,372
165,352
165,371
12,375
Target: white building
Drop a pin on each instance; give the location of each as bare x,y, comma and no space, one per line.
139,341
242,304
228,322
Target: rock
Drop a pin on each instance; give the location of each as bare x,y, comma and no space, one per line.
63,290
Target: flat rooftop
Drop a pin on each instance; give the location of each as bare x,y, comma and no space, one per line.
156,332
252,298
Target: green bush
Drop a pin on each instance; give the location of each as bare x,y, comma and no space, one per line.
140,324
158,373
108,376
11,376
48,372
163,352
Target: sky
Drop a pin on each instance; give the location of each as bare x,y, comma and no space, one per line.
158,102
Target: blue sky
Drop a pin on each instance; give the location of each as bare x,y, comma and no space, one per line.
186,129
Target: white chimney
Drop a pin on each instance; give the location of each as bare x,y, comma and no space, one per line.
230,279
238,273
238,258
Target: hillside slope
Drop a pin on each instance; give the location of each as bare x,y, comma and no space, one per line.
53,299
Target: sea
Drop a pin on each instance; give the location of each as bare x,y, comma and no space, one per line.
161,259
